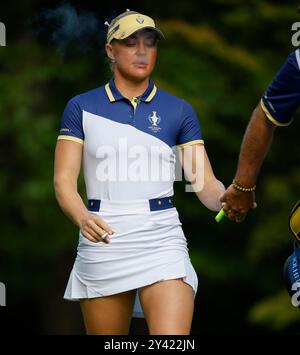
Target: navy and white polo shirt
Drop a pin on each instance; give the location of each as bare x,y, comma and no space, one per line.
128,146
282,97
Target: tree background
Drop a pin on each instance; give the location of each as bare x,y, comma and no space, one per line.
220,56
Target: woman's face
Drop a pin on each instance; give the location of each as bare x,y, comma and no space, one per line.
134,57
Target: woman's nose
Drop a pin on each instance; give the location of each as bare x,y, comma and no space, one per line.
141,48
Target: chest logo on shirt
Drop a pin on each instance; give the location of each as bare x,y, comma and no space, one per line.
154,120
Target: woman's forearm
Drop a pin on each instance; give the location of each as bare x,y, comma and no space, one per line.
210,194
204,183
70,201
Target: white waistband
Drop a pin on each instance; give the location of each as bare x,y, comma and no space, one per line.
127,205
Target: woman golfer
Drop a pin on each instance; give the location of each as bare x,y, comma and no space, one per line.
132,256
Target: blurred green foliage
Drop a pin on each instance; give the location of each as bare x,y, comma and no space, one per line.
220,57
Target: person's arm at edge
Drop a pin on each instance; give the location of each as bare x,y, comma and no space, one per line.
255,146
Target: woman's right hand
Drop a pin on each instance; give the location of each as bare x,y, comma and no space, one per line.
95,229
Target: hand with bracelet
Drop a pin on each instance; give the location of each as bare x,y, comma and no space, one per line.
237,201
276,108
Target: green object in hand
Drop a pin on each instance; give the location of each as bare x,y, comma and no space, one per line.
220,215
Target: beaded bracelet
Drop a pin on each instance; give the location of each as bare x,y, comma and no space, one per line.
241,188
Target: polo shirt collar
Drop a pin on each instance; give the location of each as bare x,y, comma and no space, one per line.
114,94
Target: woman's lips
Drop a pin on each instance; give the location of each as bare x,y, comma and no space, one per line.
140,65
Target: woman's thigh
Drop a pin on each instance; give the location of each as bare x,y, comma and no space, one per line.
108,314
168,306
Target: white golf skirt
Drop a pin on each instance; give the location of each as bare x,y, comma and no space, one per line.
147,247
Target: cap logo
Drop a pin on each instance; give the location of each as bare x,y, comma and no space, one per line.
140,20
122,34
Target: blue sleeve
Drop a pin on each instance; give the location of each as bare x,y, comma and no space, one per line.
71,125
282,98
190,131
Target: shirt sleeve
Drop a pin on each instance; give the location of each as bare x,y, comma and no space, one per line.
71,124
282,97
190,131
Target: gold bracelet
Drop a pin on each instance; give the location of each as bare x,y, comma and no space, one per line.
241,188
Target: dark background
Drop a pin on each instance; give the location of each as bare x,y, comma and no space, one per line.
218,55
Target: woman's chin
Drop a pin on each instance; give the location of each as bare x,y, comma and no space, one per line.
140,75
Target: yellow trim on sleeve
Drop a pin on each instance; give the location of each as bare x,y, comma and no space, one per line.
197,141
109,93
272,119
152,94
70,138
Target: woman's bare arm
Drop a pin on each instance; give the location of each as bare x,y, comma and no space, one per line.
198,171
66,171
68,155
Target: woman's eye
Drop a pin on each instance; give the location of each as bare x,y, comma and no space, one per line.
150,42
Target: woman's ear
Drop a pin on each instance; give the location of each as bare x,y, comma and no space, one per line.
109,52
